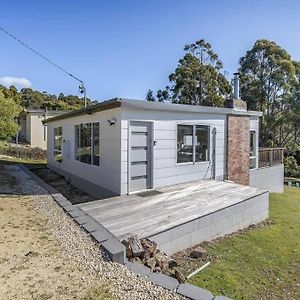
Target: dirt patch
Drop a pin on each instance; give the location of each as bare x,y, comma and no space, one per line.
72,193
32,265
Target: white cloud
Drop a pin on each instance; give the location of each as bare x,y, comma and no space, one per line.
18,82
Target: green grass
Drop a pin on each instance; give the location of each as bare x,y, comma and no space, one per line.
263,263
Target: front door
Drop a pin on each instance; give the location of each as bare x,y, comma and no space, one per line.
140,156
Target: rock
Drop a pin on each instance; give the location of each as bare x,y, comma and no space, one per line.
162,261
151,263
179,276
157,270
136,246
198,252
172,263
150,248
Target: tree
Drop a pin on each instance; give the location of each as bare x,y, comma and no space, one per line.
9,111
149,96
268,84
198,79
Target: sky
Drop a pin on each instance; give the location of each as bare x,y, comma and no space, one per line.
123,48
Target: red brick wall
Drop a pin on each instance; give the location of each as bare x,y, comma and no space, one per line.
238,144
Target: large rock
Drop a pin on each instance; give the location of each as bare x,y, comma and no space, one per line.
198,252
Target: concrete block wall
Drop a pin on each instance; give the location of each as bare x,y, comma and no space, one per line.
216,224
238,145
269,178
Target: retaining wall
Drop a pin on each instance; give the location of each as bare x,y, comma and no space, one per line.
216,224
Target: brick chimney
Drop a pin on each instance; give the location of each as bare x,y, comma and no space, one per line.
238,138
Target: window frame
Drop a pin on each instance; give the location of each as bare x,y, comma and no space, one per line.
253,157
194,162
77,144
57,153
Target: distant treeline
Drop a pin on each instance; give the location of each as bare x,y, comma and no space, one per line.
29,98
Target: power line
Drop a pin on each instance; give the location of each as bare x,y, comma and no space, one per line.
81,87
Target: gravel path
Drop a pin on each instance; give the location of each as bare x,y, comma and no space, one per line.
78,246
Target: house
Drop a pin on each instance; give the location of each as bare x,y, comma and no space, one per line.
123,146
33,131
176,174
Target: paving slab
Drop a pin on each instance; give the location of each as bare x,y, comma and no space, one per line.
76,213
222,298
193,292
138,268
64,203
59,197
83,219
91,226
69,208
116,250
102,234
164,281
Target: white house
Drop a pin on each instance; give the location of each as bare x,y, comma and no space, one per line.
33,131
122,146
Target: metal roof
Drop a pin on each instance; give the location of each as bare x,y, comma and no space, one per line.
151,105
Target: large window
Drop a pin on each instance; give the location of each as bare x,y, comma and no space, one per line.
192,143
58,140
87,143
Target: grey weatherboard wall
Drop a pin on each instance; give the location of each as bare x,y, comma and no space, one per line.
269,178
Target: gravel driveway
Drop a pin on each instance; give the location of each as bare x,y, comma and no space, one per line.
53,241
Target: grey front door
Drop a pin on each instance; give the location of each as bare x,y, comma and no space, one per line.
140,156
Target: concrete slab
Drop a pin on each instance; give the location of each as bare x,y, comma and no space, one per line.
83,219
69,208
102,234
76,213
91,226
193,292
116,250
138,269
164,281
64,203
222,298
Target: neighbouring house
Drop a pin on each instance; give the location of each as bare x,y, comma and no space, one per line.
193,173
33,131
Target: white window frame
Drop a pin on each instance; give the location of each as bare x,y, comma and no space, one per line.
92,142
57,152
194,162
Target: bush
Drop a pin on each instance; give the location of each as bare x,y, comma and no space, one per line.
291,168
24,152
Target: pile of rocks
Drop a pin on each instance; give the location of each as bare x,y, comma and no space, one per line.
147,252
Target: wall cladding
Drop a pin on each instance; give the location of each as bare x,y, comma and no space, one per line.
269,178
238,137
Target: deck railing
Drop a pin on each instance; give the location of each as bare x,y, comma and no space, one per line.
269,157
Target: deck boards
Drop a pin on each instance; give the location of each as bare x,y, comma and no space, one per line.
174,205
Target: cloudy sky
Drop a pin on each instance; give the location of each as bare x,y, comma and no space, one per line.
123,48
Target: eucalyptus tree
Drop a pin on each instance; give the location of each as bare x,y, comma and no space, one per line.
268,81
197,79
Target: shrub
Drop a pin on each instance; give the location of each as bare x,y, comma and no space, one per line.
291,168
24,152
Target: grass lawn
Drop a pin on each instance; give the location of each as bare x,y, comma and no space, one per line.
263,263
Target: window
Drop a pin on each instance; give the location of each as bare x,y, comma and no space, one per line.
96,142
87,143
192,143
58,139
252,149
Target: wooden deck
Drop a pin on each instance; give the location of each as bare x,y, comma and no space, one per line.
151,212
